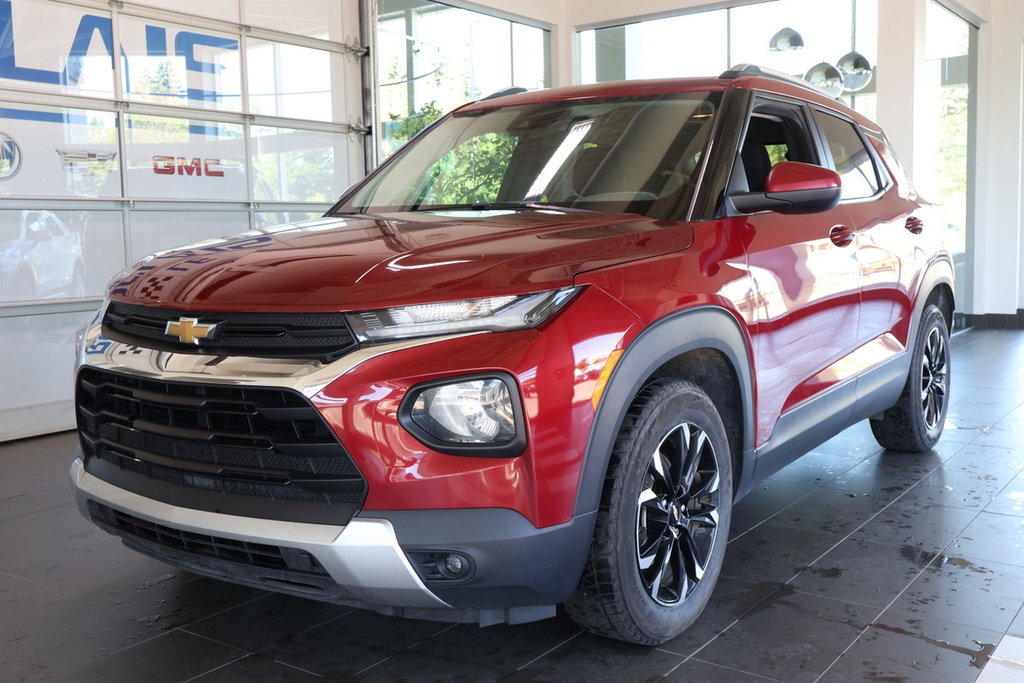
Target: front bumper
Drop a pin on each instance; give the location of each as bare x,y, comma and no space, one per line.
363,557
521,572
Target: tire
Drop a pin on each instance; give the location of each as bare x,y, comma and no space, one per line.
915,423
658,548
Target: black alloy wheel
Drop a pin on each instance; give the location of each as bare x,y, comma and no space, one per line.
934,378
677,514
915,423
663,521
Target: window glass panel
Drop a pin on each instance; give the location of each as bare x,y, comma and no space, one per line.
948,104
471,173
823,28
288,80
172,64
791,36
154,231
57,48
50,151
529,57
42,374
58,254
657,49
184,158
629,154
225,10
298,165
852,161
313,18
433,58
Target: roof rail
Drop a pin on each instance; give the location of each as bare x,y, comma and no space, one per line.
755,70
502,93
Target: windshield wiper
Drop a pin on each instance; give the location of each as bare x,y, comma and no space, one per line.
486,206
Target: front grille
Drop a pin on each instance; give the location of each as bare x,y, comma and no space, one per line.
323,336
244,552
257,452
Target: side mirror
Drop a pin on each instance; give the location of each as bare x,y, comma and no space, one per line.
792,187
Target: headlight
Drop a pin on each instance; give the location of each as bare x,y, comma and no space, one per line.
473,415
469,315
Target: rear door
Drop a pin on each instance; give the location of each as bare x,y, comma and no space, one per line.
887,249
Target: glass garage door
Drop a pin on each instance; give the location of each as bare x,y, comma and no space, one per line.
134,129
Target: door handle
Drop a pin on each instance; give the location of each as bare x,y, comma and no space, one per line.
914,225
841,235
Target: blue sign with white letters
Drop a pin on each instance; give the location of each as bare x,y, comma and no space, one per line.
92,26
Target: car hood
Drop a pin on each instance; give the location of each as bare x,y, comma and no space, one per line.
358,262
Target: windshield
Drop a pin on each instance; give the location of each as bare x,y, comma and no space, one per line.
619,155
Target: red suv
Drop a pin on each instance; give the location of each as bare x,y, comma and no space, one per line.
534,359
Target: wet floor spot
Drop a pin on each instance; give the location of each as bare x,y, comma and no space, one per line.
979,655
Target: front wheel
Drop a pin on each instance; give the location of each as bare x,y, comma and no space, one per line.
663,524
915,423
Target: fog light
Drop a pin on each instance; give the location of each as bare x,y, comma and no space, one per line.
453,565
473,412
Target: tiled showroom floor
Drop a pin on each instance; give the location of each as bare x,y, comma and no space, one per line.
851,564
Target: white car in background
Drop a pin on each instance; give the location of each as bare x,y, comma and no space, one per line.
40,258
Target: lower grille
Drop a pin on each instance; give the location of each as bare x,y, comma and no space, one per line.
253,554
256,452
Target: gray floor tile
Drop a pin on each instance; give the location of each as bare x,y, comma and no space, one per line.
791,636
904,523
591,658
353,642
898,648
966,591
864,572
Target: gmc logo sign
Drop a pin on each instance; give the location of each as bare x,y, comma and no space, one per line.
182,166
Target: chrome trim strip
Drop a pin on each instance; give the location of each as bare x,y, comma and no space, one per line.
363,557
301,374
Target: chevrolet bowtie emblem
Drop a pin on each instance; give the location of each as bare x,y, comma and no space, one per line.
189,330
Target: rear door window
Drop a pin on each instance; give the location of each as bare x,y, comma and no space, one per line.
850,157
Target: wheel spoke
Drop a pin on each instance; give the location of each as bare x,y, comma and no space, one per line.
694,450
660,471
696,559
664,555
672,449
707,517
708,487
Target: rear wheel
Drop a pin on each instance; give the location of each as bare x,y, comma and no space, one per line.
915,423
664,519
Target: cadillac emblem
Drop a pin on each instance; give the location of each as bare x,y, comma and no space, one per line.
189,330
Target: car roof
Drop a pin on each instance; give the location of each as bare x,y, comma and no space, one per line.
750,78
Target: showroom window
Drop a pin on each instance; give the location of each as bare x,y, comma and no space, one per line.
128,129
434,57
832,43
951,45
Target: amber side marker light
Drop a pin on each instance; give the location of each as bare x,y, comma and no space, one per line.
606,373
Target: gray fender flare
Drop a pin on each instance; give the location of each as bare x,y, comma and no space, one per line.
938,272
704,327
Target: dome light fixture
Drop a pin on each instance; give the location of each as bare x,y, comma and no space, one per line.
786,39
856,71
827,77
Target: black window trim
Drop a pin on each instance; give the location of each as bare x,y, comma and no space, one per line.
799,109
